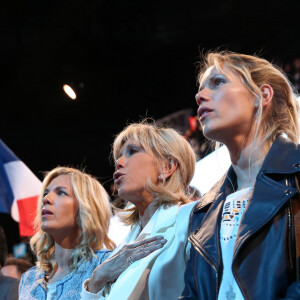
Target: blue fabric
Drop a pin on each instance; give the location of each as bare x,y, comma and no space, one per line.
6,193
6,154
264,262
33,286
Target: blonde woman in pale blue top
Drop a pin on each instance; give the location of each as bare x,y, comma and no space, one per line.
72,223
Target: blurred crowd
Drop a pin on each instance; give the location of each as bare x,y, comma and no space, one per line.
293,70
11,270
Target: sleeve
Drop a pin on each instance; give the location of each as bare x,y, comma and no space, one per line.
189,291
293,291
101,295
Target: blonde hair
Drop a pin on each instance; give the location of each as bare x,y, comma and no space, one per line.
164,144
282,116
94,214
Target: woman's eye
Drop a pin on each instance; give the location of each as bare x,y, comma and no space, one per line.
62,193
218,81
131,150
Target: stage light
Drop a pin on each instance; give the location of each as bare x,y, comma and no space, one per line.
69,91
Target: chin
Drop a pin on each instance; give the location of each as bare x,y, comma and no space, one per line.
214,134
46,228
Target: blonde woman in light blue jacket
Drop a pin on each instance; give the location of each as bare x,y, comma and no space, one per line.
154,167
73,216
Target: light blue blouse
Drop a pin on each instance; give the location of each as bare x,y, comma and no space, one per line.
33,286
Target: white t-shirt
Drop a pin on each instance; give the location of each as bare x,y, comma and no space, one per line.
233,210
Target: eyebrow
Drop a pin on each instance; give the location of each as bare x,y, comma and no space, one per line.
204,83
211,76
56,188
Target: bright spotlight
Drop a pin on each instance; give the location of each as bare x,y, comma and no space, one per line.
69,91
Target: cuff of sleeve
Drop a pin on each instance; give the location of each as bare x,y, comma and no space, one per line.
86,295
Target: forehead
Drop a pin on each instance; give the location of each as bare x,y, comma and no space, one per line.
208,73
61,180
213,71
130,141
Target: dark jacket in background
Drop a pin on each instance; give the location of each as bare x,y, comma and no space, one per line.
8,288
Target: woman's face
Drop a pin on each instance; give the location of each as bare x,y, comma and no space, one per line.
226,106
133,168
59,208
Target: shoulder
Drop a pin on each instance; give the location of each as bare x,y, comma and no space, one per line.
30,279
31,275
8,287
283,156
102,255
186,209
6,281
183,218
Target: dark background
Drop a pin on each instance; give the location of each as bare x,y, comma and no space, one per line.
132,59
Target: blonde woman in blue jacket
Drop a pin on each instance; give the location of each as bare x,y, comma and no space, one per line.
245,232
154,167
73,216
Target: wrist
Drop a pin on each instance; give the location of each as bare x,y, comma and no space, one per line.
95,283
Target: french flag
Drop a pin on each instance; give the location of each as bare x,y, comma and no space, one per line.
19,190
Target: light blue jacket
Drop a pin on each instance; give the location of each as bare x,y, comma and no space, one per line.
33,286
160,275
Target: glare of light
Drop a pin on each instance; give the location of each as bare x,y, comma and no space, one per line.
69,91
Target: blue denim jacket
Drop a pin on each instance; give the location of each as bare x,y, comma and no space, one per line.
33,286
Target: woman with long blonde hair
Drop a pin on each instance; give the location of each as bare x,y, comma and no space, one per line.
73,217
245,231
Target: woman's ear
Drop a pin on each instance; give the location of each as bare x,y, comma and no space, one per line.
169,168
267,95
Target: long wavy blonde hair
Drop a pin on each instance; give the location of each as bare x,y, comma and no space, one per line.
164,144
93,218
282,116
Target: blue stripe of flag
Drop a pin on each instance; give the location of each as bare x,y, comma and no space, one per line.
6,193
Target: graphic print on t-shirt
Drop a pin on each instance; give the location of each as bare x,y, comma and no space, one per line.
231,216
233,209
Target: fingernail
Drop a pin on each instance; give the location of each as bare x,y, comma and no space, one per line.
164,241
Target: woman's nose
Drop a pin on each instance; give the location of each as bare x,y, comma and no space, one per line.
47,199
120,163
201,96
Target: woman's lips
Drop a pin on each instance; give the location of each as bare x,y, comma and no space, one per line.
46,212
203,112
117,177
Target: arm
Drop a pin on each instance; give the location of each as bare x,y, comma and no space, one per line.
293,291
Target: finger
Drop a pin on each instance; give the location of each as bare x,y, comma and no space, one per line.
145,241
158,243
145,251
